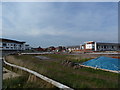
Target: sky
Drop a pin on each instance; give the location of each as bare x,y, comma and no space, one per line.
60,23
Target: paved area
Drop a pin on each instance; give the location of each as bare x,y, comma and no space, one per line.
9,74
42,57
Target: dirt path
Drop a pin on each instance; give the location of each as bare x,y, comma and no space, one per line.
9,74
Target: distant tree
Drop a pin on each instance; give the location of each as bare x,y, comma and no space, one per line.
46,49
39,47
52,48
64,48
60,48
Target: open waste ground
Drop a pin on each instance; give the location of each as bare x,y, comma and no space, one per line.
56,69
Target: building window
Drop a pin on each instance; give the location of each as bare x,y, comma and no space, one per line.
98,46
101,46
112,46
4,44
20,46
104,46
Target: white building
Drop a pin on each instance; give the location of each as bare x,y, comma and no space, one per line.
28,47
8,44
99,46
73,48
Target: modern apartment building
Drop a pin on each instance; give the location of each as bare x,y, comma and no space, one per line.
99,46
8,45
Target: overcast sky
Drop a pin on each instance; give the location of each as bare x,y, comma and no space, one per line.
62,23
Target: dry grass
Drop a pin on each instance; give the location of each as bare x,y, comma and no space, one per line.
25,80
75,78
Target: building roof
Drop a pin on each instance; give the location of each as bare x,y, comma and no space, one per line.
9,40
77,46
92,42
108,43
89,41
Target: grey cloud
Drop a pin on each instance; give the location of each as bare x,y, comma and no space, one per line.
66,25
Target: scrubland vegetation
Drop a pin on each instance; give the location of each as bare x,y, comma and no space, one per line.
74,78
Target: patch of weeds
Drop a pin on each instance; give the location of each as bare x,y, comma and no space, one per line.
75,78
17,82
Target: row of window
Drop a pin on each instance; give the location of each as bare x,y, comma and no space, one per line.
5,44
73,48
106,46
11,48
89,46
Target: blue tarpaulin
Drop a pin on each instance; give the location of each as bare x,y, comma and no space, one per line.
104,63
